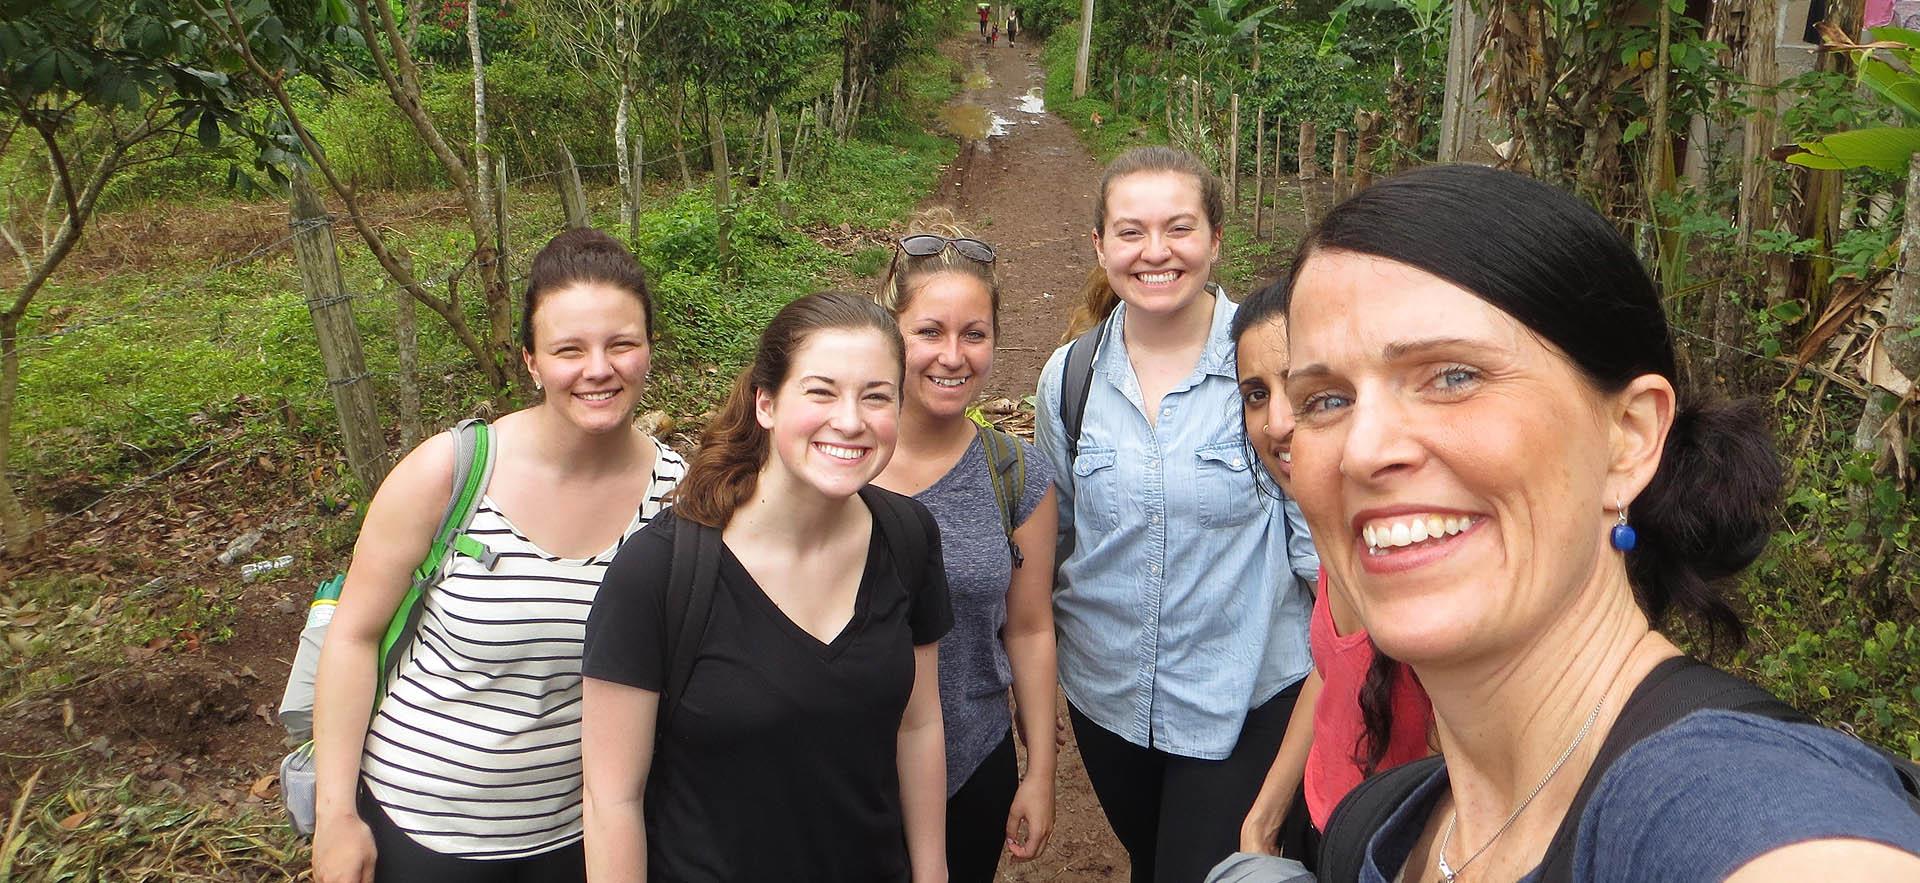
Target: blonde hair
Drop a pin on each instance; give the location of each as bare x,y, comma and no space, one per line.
909,272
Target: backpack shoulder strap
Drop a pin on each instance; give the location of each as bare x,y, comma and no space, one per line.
1343,848
900,524
473,458
1076,383
1674,689
693,574
1007,465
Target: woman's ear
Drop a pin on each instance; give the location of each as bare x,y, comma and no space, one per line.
1642,416
526,358
1098,255
763,409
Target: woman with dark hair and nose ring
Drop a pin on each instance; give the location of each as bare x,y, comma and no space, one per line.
1503,473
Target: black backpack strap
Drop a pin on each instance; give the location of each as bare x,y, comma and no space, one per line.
1343,847
1674,689
1076,383
900,524
692,577
1008,465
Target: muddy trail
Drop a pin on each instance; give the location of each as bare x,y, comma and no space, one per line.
1024,182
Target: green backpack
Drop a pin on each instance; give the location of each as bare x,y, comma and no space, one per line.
472,468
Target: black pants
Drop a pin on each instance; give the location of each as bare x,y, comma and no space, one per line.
977,817
401,860
1179,816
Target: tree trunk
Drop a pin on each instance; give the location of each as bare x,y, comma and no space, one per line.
1897,341
482,166
16,529
406,344
622,146
1080,58
638,187
679,94
1259,168
1463,113
722,187
332,310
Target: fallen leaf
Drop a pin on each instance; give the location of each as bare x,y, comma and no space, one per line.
76,820
263,786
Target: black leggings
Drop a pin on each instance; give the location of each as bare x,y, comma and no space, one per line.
401,860
977,817
1179,816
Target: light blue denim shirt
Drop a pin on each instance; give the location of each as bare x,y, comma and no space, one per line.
1185,599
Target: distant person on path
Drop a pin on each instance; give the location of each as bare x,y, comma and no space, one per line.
943,292
1013,25
984,13
1183,601
1359,711
470,770
1512,488
807,745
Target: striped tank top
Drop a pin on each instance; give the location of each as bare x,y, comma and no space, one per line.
476,750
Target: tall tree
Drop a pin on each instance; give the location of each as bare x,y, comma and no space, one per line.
233,26
1086,48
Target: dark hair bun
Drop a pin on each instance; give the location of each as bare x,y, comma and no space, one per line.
1708,512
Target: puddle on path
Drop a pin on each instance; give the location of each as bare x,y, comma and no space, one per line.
973,122
1032,102
978,79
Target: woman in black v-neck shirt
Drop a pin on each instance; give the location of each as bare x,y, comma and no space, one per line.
808,744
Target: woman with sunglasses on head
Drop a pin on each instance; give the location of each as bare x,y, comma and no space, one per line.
1514,490
805,744
996,535
1182,604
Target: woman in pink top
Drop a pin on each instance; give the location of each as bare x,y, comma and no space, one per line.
1368,711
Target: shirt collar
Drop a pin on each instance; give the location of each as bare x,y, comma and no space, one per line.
1217,358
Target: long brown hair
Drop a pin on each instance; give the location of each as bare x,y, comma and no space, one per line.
1097,297
722,474
909,271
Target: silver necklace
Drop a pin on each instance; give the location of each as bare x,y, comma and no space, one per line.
1449,873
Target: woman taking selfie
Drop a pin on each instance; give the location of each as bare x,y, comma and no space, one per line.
1508,481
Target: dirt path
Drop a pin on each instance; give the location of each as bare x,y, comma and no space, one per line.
1029,192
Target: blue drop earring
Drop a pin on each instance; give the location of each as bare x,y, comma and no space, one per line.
1623,537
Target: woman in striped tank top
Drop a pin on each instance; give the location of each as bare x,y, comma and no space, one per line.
470,768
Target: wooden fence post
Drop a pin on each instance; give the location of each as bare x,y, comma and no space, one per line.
1193,106
1339,164
332,310
1233,150
1366,126
573,197
1259,167
1309,163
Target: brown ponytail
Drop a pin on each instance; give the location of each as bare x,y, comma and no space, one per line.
1097,300
722,475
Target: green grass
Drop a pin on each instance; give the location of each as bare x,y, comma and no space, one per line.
1116,131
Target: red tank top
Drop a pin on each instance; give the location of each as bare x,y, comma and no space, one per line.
1342,661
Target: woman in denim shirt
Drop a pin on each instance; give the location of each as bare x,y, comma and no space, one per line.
1181,608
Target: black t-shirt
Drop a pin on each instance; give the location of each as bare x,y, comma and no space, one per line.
780,761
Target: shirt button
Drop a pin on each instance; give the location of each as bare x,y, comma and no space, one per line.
1154,518
1237,462
1166,412
1153,569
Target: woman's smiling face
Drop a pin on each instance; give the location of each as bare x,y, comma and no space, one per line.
947,325
1451,464
834,420
1156,244
1261,354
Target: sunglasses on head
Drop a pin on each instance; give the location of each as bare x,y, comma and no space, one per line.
921,245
